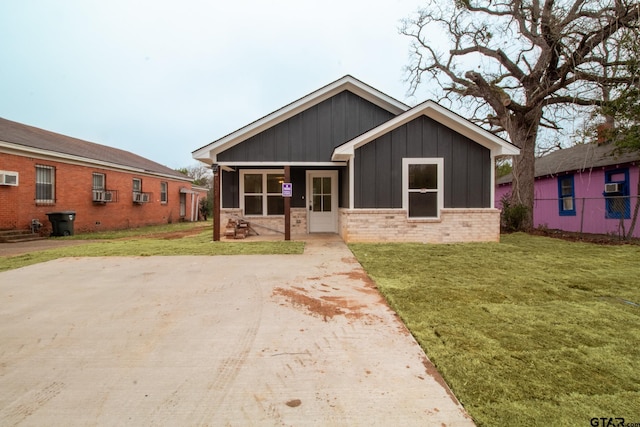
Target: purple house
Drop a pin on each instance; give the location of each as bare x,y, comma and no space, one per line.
589,188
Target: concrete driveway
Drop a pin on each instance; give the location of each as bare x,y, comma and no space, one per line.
287,340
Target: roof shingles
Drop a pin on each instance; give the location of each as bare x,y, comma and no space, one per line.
579,158
32,137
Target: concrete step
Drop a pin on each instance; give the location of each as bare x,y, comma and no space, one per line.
16,236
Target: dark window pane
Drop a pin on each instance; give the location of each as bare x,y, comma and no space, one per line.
317,203
567,187
253,205
44,183
326,203
253,183
275,205
326,185
274,183
98,181
317,185
44,191
423,176
423,205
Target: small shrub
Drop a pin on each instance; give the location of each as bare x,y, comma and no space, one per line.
513,216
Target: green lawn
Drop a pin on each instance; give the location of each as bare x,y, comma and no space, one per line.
149,241
532,331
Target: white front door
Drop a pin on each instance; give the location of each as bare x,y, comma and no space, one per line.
322,201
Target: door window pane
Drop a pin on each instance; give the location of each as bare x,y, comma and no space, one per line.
326,203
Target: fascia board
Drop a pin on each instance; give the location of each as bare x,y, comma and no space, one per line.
280,164
209,152
497,145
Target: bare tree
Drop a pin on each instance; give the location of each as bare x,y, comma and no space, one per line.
522,66
199,173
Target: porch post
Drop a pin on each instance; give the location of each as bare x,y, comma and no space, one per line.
216,202
287,206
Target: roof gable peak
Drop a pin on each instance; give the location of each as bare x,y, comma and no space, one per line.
349,83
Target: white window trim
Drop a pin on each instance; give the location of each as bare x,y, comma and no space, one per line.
264,173
439,161
164,184
103,176
52,171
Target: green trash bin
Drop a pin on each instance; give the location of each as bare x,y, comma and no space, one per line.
62,223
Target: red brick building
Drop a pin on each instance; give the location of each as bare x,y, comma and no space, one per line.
108,188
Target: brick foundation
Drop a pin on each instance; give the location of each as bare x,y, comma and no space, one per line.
392,225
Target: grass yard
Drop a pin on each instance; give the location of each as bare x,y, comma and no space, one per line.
174,239
534,331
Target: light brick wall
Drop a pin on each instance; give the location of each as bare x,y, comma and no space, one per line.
392,225
73,192
267,225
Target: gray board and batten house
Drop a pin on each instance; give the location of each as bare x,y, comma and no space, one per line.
362,165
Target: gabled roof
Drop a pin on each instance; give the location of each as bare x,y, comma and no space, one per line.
28,138
579,158
207,153
435,111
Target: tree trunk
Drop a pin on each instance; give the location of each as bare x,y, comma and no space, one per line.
523,133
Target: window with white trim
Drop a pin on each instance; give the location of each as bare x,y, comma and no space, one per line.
261,192
98,182
422,186
163,192
45,184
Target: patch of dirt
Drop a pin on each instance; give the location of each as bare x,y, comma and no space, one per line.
315,306
172,235
294,403
598,239
326,307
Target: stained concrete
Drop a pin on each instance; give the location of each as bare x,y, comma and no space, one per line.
292,340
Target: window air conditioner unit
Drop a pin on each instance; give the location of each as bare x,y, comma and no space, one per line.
102,196
141,197
614,187
98,196
9,178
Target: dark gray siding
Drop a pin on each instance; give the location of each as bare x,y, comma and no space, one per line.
311,135
378,166
231,187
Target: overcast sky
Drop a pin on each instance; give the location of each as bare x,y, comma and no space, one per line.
163,78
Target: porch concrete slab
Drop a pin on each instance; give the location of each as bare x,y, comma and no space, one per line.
224,340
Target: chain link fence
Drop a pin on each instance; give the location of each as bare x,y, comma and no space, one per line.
613,215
